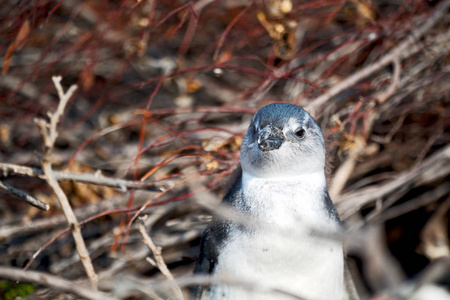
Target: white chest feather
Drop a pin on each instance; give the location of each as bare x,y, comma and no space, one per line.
281,253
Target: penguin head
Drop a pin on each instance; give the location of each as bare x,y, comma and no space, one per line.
283,140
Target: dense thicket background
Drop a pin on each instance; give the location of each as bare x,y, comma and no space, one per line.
166,89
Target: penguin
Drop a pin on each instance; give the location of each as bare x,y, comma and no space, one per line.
282,192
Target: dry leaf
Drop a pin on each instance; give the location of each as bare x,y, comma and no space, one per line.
273,17
81,193
364,11
5,134
354,145
434,236
24,30
276,9
87,79
225,56
213,144
212,165
7,59
17,44
193,86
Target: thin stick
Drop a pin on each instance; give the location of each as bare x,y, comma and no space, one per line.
53,282
382,97
413,204
49,134
159,260
89,178
24,196
227,30
198,109
403,50
433,168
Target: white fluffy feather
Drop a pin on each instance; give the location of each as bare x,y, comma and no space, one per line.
284,189
283,254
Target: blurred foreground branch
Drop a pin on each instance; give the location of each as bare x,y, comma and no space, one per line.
433,168
54,282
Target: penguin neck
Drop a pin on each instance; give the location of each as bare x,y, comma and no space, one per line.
311,181
284,201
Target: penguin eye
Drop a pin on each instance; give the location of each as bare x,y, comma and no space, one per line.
300,133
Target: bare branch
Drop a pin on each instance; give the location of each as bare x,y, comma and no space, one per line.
383,271
57,221
422,200
49,133
431,169
342,175
403,50
382,97
23,196
52,281
89,178
159,260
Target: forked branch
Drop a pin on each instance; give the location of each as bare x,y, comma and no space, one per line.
49,134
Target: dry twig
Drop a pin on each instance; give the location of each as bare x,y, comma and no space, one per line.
57,221
49,134
405,49
431,169
383,96
23,196
159,260
121,184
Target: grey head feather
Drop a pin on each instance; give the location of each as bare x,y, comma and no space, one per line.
294,140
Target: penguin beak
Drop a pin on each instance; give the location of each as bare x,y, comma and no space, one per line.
270,138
